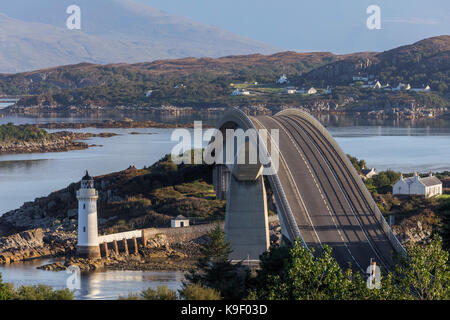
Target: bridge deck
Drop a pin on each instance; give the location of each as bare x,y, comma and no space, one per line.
328,204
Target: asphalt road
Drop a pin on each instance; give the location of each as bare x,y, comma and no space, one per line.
329,206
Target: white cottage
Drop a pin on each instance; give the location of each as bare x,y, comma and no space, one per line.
368,173
241,92
179,222
429,186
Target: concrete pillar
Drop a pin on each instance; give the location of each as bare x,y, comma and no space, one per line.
116,247
105,247
246,220
136,249
144,239
221,176
125,246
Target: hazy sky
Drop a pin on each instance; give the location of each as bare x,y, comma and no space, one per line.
318,25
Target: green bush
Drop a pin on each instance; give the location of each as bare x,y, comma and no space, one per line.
199,292
161,293
38,292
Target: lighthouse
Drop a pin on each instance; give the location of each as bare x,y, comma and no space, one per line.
87,196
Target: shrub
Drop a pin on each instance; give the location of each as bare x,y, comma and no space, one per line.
161,293
199,292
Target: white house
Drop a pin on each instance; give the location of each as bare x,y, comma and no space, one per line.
309,91
290,90
402,86
148,93
377,85
426,89
368,173
282,79
179,222
238,92
415,185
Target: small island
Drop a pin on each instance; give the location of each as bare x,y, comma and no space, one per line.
29,138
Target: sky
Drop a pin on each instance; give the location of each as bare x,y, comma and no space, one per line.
338,26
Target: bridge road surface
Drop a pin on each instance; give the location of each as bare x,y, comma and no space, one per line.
328,205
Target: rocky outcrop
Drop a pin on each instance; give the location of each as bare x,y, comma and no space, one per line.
35,243
57,266
416,229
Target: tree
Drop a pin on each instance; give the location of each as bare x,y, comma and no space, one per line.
297,273
214,270
424,273
5,290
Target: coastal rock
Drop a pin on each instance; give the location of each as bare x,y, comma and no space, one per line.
33,244
416,229
57,266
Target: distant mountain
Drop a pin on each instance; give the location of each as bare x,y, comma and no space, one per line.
424,62
33,35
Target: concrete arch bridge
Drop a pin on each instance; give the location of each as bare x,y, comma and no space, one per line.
319,196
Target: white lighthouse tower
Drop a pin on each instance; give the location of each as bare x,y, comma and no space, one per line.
87,196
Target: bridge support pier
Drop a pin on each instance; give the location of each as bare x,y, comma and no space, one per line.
116,247
246,222
125,246
221,178
105,248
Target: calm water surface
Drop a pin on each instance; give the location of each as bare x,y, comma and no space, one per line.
94,285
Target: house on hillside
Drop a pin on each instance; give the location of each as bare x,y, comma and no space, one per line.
179,222
368,173
290,90
402,86
425,89
307,91
148,93
240,92
428,187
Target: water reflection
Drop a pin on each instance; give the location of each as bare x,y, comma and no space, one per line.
93,285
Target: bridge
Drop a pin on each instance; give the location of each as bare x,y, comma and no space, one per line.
320,198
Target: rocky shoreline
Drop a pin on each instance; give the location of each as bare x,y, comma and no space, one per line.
62,141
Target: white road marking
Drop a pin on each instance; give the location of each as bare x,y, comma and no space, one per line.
320,191
292,181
